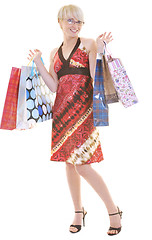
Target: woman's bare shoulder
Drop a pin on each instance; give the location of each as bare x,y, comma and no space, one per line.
89,40
88,43
53,52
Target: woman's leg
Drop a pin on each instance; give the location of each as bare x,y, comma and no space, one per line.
74,183
96,181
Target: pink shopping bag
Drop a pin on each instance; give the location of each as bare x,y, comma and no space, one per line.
121,81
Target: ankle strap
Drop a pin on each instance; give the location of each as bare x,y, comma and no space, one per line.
120,213
78,211
111,214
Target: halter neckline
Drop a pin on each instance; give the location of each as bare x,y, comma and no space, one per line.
71,54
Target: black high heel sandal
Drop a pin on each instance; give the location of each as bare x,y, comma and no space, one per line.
78,227
112,228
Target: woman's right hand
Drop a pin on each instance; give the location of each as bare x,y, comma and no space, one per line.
34,55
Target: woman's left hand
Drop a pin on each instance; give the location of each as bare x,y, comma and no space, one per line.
101,39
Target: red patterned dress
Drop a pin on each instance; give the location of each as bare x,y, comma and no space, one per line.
74,138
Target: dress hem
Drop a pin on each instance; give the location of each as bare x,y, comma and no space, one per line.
78,163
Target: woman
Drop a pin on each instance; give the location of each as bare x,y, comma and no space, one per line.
75,140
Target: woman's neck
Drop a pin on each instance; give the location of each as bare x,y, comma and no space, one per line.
69,41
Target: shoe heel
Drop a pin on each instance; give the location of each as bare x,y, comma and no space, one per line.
84,219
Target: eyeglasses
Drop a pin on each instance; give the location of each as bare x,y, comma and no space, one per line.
72,21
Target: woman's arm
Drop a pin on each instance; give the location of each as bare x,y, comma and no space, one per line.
92,58
51,81
51,67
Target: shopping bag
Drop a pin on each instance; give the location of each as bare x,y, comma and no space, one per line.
121,81
9,114
110,92
35,100
100,108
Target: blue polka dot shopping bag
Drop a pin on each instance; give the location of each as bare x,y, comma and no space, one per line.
35,100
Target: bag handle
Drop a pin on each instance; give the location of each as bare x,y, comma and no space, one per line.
32,71
106,53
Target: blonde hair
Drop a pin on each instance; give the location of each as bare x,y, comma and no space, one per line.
70,11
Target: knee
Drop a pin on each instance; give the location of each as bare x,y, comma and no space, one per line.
69,165
82,170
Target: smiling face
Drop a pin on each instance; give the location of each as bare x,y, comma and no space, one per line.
71,20
71,26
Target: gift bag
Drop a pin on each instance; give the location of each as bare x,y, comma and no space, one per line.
9,114
35,100
121,81
110,92
100,108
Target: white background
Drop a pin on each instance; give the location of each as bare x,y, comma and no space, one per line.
35,202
